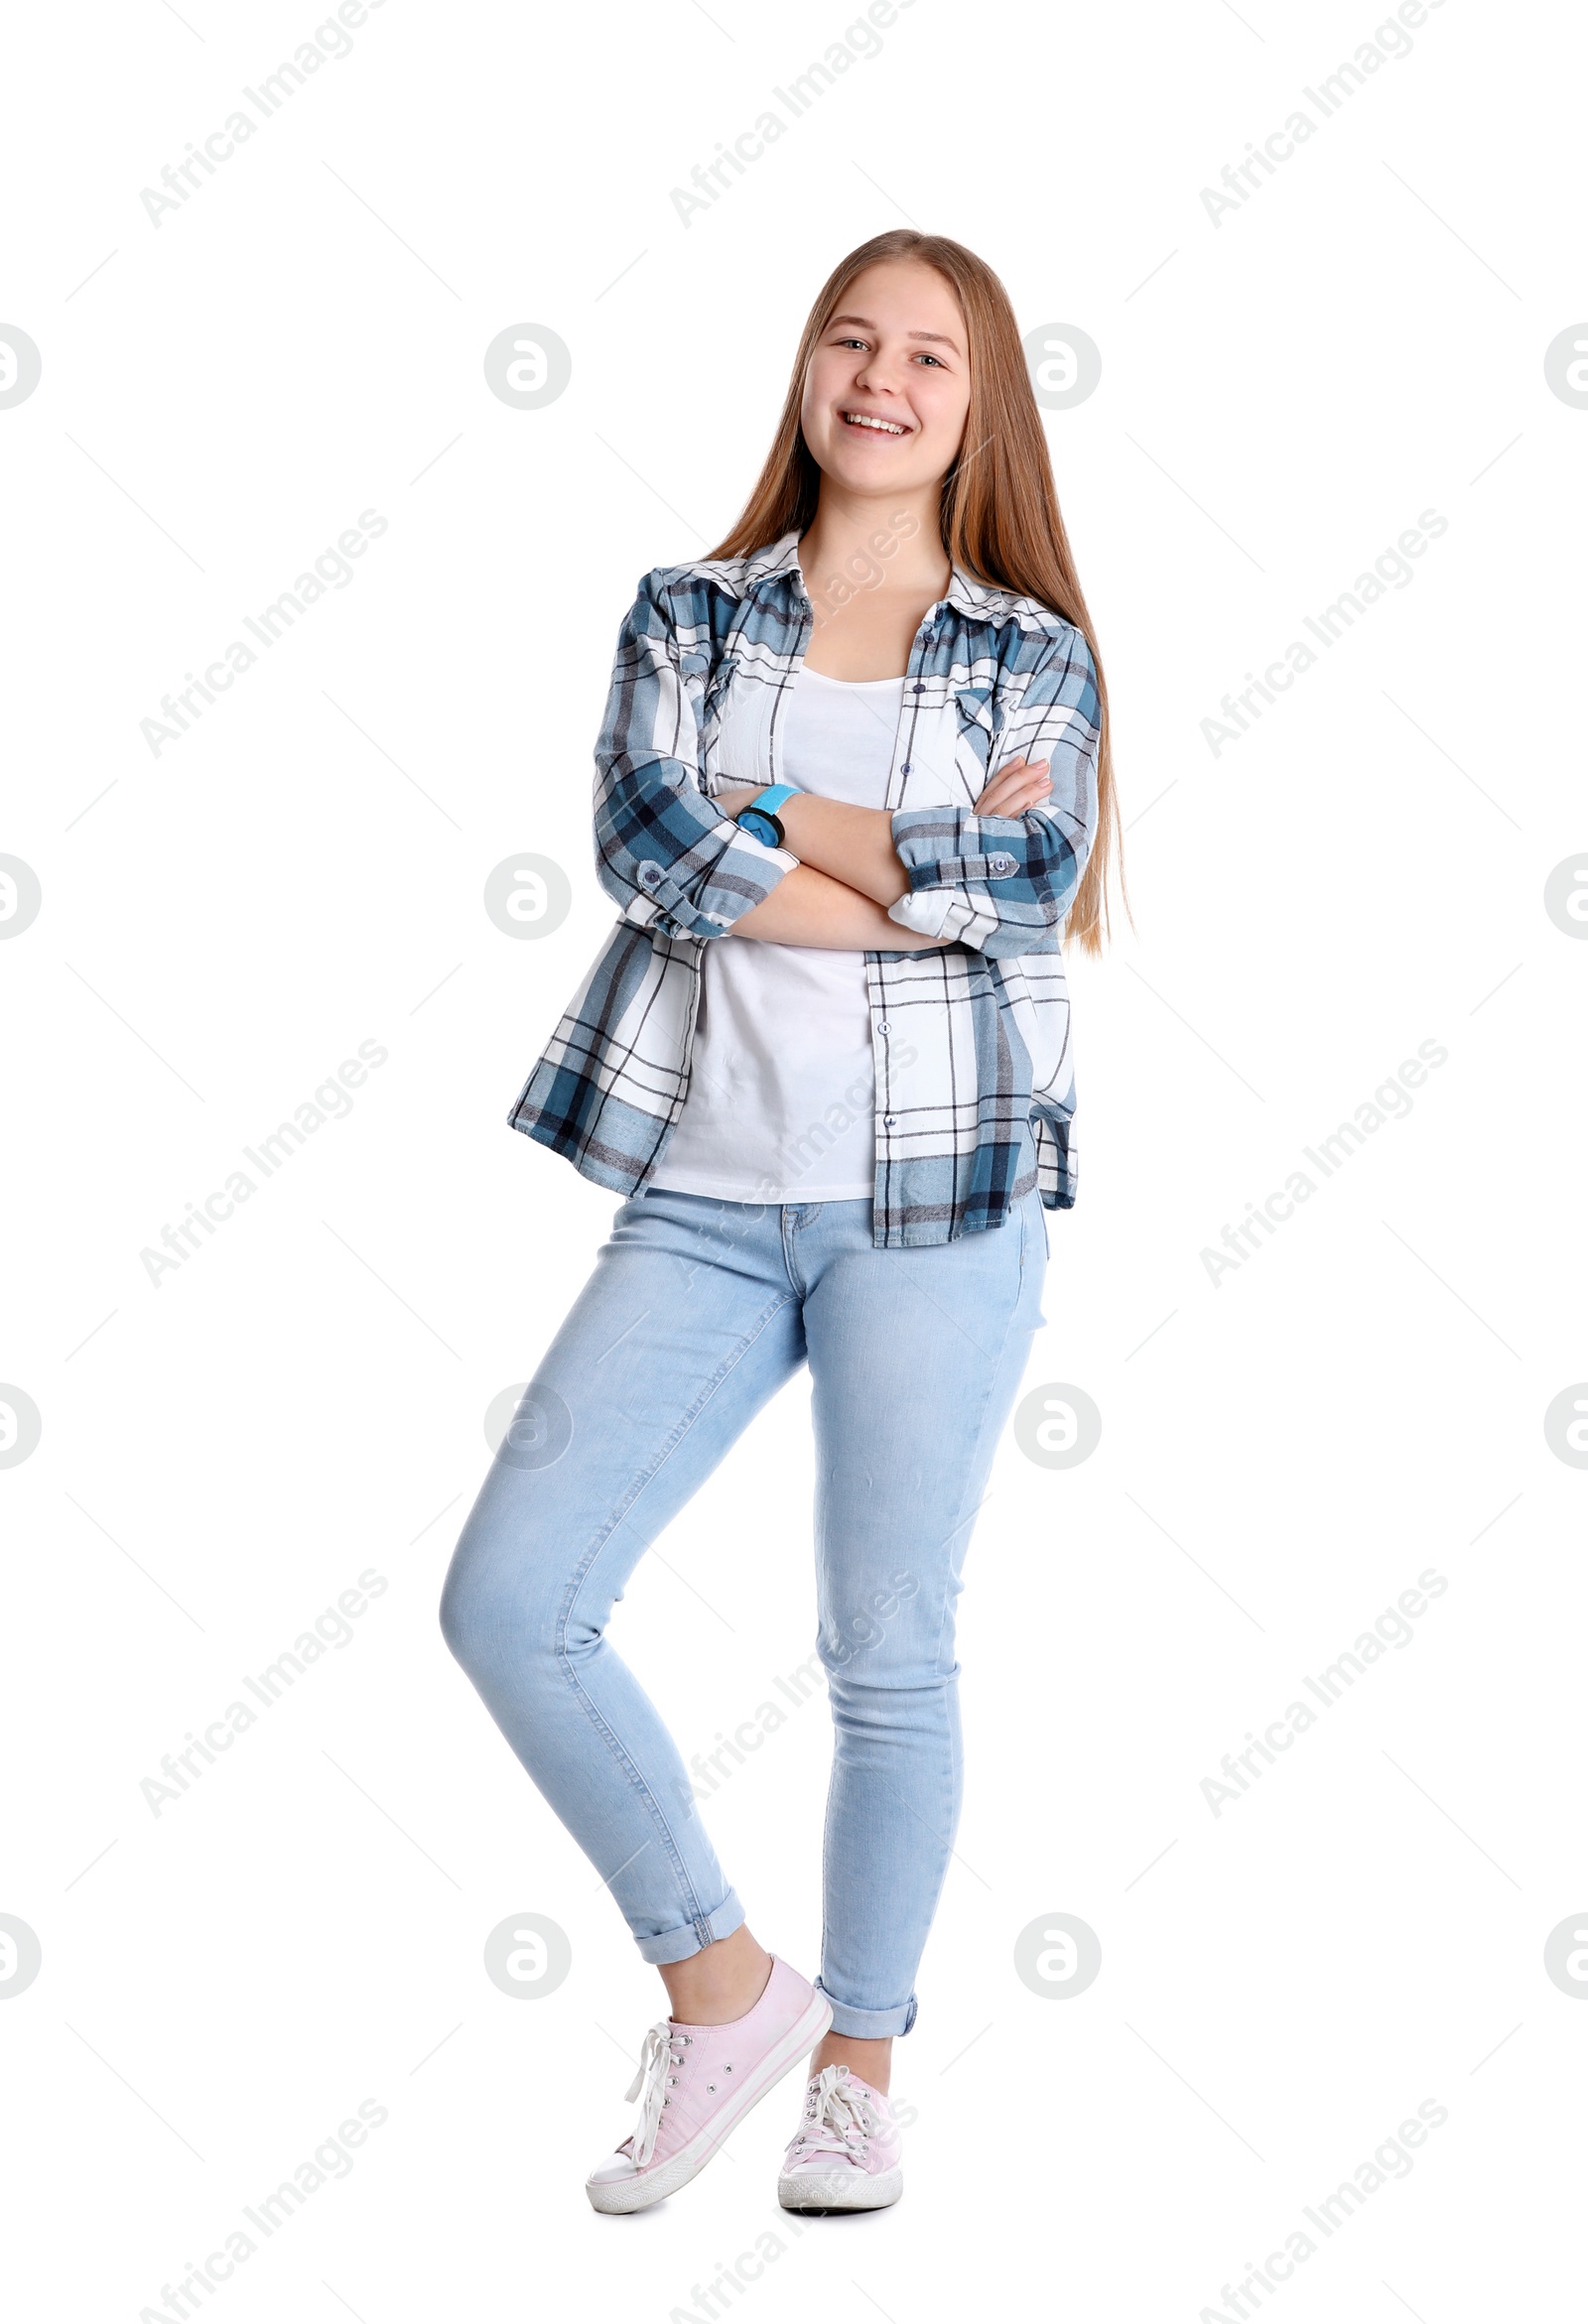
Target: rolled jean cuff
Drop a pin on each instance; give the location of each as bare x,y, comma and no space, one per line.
868,2024
694,1935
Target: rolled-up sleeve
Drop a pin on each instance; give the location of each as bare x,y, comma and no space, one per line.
1004,883
669,858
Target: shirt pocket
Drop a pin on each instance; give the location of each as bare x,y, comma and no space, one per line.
976,736
712,711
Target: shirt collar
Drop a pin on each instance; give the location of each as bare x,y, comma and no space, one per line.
965,593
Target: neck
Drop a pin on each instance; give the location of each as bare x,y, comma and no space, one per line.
842,536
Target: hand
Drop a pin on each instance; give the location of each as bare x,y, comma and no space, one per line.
1016,787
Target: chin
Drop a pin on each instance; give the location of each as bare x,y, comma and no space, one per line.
848,463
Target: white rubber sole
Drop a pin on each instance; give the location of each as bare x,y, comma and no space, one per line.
654,2186
841,2190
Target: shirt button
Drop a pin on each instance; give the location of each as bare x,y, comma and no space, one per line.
884,1027
919,687
649,873
889,1120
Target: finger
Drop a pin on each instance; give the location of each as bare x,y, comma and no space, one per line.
1022,771
1016,793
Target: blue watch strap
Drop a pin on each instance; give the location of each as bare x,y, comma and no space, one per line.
771,799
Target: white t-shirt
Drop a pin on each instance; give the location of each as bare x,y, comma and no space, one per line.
782,1089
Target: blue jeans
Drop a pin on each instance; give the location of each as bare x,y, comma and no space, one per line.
698,1311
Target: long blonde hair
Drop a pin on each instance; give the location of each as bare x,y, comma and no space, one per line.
999,512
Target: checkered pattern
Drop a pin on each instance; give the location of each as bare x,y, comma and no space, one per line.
975,1078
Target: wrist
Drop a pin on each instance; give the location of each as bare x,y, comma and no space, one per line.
760,815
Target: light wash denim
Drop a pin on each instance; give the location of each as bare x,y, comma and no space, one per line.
698,1311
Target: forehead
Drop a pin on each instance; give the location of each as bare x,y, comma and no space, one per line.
904,296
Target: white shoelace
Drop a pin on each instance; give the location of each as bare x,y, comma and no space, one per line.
838,2119
660,2053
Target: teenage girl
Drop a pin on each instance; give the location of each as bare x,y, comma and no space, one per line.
852,781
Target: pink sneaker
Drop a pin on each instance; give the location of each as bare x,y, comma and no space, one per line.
847,2154
696,2083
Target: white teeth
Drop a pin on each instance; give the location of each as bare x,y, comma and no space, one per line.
865,420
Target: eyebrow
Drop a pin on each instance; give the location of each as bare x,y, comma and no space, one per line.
936,337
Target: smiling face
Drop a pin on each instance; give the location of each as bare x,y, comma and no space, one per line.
888,385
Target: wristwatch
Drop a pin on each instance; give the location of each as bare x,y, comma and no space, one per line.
758,819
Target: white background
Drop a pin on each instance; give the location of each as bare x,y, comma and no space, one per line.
1283,394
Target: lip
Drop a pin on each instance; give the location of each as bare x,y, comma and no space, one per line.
849,413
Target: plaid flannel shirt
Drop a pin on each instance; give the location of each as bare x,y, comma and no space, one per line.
975,1078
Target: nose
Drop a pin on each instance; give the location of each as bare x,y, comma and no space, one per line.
878,373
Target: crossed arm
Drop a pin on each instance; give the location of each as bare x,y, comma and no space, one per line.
848,871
